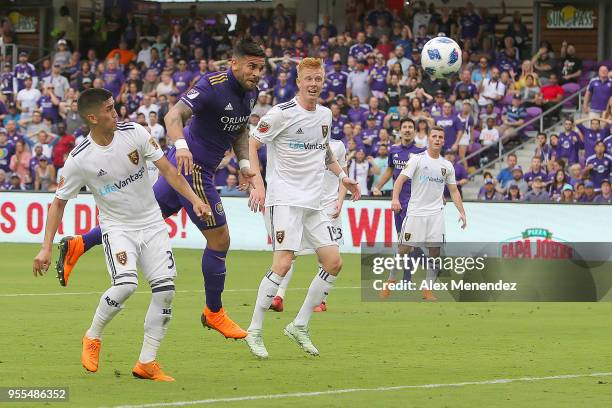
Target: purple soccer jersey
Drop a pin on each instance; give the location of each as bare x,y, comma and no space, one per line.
133,102
7,150
451,125
471,88
221,109
602,167
399,155
49,110
6,83
336,82
608,142
379,78
600,94
470,25
531,175
284,93
182,80
370,137
113,79
567,146
337,127
23,71
360,51
380,118
591,137
357,115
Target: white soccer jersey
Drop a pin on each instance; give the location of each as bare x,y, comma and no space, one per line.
429,176
117,176
297,141
330,180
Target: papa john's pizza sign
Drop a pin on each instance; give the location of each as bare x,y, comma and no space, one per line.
536,243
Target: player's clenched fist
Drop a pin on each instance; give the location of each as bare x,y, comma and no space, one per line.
42,262
202,210
396,206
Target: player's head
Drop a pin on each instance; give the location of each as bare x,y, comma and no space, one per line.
248,60
97,108
310,77
407,130
435,139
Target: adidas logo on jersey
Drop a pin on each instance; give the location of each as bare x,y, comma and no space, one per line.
229,107
101,173
299,132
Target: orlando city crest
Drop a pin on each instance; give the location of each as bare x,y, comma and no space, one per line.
280,236
121,257
325,130
133,156
219,208
443,170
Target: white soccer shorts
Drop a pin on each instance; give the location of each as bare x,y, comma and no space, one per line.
427,231
148,248
297,228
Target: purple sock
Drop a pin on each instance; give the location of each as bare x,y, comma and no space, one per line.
213,269
92,238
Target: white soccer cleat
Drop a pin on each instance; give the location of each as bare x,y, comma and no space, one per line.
254,340
300,335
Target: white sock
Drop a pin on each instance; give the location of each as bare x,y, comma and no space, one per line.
267,290
285,282
319,288
156,324
111,303
430,276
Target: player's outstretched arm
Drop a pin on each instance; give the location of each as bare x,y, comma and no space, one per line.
257,194
381,182
175,120
178,182
54,217
241,149
341,196
456,197
396,206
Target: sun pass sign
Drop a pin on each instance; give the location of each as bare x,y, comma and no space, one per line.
569,17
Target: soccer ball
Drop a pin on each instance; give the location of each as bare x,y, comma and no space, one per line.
441,57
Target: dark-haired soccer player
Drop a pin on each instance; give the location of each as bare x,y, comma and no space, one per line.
219,106
111,161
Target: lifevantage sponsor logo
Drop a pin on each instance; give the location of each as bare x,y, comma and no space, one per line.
298,145
118,185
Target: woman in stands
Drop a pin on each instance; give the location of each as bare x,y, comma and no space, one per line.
555,188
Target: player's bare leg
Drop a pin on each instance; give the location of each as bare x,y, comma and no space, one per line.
213,270
281,263
331,263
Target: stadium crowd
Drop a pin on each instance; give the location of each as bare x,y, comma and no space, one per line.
373,82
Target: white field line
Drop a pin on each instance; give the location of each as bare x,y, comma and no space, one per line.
149,292
353,390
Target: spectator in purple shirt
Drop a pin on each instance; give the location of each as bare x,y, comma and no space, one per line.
338,122
22,71
378,77
49,103
357,113
113,77
537,193
461,174
6,82
361,49
534,171
598,93
590,136
182,78
374,111
605,197
453,129
599,165
283,91
589,192
337,79
488,193
7,150
555,188
567,147
469,23
333,31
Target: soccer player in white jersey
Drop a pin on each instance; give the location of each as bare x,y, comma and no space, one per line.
111,162
424,222
297,137
333,198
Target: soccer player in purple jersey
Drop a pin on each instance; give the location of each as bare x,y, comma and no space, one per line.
219,106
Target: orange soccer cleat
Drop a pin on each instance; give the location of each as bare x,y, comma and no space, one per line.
90,357
429,296
150,371
321,308
221,322
70,250
385,292
277,304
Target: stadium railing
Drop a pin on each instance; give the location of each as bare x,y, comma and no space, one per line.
537,119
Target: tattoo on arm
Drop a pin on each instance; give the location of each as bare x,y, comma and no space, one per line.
184,111
241,145
329,156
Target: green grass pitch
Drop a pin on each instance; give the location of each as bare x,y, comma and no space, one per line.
362,345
